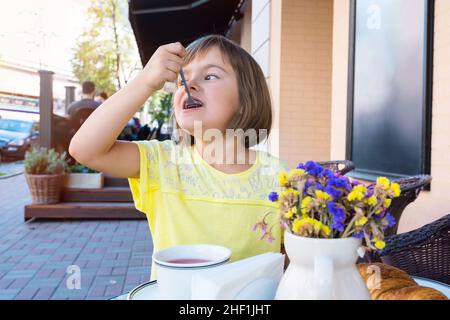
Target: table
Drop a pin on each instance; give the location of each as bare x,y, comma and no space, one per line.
442,287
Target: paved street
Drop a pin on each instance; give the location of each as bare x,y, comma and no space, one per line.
38,259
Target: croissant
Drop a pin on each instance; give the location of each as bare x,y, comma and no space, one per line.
389,283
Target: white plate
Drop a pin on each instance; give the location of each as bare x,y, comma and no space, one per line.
145,291
442,287
150,291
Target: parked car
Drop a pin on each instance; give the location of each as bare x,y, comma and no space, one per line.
16,137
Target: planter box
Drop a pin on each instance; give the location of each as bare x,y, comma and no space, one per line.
46,188
84,180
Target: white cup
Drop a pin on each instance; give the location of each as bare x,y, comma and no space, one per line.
176,265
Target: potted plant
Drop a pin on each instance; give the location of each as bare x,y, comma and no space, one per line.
83,177
44,172
326,218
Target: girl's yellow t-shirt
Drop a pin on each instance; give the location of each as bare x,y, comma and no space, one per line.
188,201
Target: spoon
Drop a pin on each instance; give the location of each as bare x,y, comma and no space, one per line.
183,80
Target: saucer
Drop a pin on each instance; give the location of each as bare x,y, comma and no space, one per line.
442,287
145,291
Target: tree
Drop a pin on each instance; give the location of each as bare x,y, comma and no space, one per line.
105,53
160,107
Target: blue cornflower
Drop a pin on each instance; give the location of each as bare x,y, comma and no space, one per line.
273,196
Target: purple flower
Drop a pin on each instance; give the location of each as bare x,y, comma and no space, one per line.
338,215
328,173
369,193
356,182
390,219
339,182
318,186
300,166
313,168
333,192
358,235
310,182
273,196
381,214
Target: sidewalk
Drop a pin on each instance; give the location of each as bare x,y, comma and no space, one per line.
9,169
113,256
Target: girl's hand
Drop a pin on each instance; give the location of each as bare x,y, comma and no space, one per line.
164,65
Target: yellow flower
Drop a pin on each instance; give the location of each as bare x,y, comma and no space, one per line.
289,193
351,196
372,201
296,174
293,192
361,221
297,224
360,188
357,193
305,204
315,224
384,182
323,195
320,227
294,210
387,203
395,187
283,179
289,214
380,244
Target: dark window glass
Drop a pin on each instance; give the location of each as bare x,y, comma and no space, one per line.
389,102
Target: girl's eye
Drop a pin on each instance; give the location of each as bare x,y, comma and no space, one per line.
211,75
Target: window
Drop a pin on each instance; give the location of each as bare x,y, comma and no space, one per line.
390,87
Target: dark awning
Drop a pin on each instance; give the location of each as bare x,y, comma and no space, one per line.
158,22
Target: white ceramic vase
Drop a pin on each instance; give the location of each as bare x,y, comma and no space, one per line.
321,269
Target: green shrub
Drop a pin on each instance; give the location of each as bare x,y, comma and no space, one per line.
44,161
79,168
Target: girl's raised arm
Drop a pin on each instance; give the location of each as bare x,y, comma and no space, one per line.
95,145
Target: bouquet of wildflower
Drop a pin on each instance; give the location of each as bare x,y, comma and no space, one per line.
316,202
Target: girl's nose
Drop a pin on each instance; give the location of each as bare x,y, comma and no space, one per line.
192,86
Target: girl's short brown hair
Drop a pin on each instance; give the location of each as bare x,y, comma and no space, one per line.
254,99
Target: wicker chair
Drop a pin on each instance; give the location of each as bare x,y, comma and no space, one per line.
341,166
424,252
410,190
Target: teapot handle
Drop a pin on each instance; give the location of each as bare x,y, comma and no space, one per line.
323,277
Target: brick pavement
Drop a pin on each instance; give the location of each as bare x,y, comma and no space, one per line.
35,257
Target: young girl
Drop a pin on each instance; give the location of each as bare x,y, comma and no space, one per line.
208,186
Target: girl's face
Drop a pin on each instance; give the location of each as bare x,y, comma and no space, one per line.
212,81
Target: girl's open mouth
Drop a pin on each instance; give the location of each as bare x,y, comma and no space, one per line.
196,105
